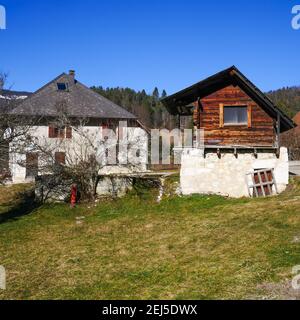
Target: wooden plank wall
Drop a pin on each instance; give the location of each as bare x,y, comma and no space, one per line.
259,131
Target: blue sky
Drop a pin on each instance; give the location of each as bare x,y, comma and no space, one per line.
141,44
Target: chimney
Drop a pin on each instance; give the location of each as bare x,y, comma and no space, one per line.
72,74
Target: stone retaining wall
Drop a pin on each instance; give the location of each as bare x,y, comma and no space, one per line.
227,176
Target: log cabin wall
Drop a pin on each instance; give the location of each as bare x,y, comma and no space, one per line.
259,130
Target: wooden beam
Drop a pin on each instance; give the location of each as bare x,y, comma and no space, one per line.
199,109
278,130
221,115
255,153
249,113
235,152
178,121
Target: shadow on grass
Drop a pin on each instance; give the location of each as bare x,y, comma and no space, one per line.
24,206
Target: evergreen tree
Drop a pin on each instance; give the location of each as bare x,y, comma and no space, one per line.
163,94
155,93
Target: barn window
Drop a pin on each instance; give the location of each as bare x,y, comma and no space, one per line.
60,158
235,115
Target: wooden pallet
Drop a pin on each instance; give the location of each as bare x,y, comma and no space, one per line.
262,182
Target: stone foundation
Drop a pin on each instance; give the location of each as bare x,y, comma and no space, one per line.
113,186
226,176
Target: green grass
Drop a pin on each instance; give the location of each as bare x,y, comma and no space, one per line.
198,247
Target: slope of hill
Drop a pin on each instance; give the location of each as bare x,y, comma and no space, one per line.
288,99
147,107
198,247
152,113
6,96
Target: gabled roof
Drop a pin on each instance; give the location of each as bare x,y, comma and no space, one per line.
230,76
79,102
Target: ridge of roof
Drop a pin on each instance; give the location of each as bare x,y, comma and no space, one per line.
48,83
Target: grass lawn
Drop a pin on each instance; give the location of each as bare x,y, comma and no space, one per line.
198,247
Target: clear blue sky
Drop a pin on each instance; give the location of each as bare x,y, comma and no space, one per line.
141,44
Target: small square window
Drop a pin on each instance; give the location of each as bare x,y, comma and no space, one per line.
60,158
62,86
57,132
235,115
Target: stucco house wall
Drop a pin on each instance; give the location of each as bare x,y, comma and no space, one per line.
76,146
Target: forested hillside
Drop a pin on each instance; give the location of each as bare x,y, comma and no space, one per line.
154,115
147,107
288,99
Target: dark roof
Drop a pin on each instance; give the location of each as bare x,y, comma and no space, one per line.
230,76
79,101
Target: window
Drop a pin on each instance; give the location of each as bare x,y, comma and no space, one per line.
69,132
60,132
62,86
60,158
235,115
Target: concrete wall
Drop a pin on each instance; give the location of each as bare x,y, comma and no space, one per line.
76,147
227,176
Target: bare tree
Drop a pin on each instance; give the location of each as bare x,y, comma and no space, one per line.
11,128
291,140
78,154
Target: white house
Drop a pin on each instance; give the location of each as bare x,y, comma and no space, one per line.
71,121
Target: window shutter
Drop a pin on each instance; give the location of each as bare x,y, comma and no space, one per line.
249,111
51,131
69,132
55,132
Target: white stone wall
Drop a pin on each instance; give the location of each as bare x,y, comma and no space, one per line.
227,176
109,186
77,146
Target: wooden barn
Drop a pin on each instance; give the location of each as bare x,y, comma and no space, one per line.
242,129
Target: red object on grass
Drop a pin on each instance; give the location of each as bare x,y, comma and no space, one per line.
73,195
